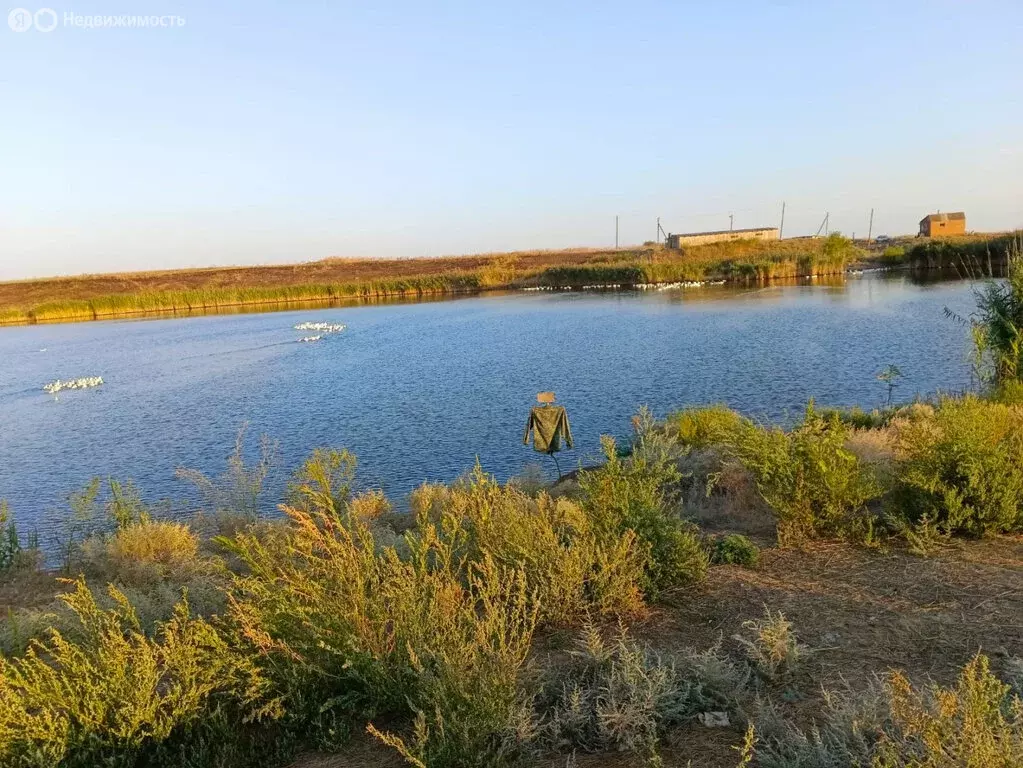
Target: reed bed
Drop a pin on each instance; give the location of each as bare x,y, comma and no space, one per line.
13,317
972,254
221,298
744,261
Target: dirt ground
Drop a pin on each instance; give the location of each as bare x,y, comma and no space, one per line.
28,588
859,611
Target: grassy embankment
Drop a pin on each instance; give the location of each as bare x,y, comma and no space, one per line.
91,297
622,612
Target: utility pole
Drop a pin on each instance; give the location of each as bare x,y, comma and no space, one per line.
823,226
827,218
657,238
729,222
781,228
616,233
870,230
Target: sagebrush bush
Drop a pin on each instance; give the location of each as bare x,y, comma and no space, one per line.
813,483
116,697
976,722
845,734
614,694
465,653
771,644
634,494
735,549
1012,673
960,469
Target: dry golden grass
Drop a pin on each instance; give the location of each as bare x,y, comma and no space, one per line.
29,293
171,545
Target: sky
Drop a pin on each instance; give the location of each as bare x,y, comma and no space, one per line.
257,132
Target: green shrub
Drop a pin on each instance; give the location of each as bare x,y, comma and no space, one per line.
837,244
324,480
10,543
633,494
349,631
1009,392
998,326
857,418
115,697
572,566
465,652
700,428
960,469
813,483
893,254
125,506
735,549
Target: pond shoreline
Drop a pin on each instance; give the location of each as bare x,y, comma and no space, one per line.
417,295
335,282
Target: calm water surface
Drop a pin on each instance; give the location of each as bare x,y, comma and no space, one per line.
417,391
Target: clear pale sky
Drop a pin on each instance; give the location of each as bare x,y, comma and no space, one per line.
268,132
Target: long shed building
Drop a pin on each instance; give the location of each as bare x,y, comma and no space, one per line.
702,238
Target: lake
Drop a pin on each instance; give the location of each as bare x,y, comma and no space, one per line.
418,391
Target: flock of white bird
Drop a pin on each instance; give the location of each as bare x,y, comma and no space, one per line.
676,285
84,383
637,286
87,382
323,328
